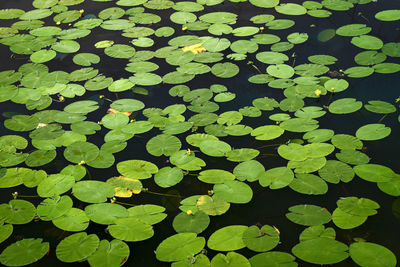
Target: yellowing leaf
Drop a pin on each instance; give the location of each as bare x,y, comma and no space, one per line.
195,49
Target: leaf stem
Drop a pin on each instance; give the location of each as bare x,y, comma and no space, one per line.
161,194
383,117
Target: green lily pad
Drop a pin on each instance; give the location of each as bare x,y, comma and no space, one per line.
92,191
276,178
130,229
194,223
374,172
212,205
112,253
179,246
248,170
81,151
77,247
163,144
371,254
346,220
55,185
260,240
308,215
232,258
336,171
321,251
214,148
52,208
308,184
375,131
74,220
227,238
137,169
233,191
273,258
24,252
17,211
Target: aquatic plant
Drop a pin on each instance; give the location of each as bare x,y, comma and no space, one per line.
146,97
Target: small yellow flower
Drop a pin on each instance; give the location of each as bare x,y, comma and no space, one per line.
101,96
333,89
184,28
69,24
82,162
61,98
261,28
317,92
189,212
188,152
132,120
113,200
58,22
99,123
81,11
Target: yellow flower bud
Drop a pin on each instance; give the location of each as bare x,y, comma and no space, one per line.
81,11
58,22
317,92
61,98
189,212
184,28
82,162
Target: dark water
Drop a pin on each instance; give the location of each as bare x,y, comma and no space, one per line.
268,206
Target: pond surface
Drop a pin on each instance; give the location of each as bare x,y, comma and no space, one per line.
208,133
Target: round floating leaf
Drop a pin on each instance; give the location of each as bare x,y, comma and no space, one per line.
105,213
40,157
194,223
81,151
374,172
358,206
42,56
120,51
24,252
335,171
21,123
77,247
227,238
345,106
130,229
163,144
248,170
52,208
214,148
280,71
82,107
74,220
353,157
113,253
371,254
388,15
150,214
179,246
276,178
212,205
309,184
291,9
346,220
293,151
55,185
167,177
321,250
308,215
345,141
233,192
375,131
273,258
5,232
137,169
214,176
353,30
225,70
299,125
380,107
231,258
367,42
17,211
267,132
260,240
92,191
